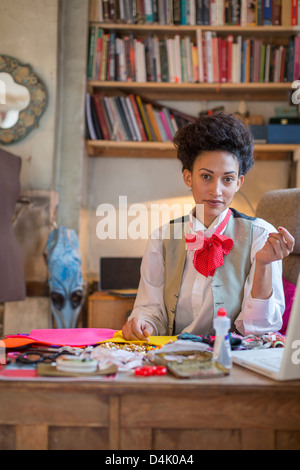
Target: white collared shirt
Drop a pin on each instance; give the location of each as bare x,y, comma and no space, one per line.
194,309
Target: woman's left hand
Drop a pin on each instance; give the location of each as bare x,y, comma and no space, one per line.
278,246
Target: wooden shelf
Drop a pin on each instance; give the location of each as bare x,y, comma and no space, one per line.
107,148
201,91
184,29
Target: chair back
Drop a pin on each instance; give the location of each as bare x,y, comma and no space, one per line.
281,208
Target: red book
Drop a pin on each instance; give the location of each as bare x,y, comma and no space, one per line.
282,65
100,115
294,13
223,60
229,58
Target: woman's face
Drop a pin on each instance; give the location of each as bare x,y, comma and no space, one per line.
214,181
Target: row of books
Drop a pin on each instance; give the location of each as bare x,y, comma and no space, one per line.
197,12
130,118
208,58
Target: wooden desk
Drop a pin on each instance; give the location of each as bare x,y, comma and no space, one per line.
108,311
241,411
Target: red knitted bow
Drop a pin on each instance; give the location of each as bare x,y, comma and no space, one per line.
210,256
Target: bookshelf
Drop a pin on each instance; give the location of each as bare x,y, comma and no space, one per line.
191,91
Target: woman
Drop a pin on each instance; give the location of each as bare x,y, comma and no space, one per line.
222,258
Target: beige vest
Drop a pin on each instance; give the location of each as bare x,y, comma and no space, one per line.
229,279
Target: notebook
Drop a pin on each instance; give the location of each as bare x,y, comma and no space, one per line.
119,276
277,363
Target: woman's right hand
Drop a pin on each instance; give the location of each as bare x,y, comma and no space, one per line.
137,330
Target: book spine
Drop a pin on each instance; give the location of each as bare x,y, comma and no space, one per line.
92,40
294,19
267,63
128,122
165,124
276,13
117,134
267,12
101,118
96,124
143,117
156,58
239,59
115,105
138,117
251,13
209,56
229,58
296,58
223,61
154,125
206,12
183,12
148,11
112,56
244,13
283,64
259,12
200,54
290,72
262,63
168,118
195,64
235,12
215,59
90,125
177,58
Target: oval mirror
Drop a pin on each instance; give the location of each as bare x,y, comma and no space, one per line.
23,99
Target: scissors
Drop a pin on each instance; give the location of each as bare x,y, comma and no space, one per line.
36,356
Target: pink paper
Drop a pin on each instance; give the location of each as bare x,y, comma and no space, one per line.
72,336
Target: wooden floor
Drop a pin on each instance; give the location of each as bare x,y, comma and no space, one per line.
241,411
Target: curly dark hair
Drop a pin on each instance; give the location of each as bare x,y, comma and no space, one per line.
219,131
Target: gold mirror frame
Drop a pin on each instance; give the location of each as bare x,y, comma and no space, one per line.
30,116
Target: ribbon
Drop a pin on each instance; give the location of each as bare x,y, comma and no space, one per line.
209,252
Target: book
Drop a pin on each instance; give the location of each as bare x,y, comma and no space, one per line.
276,12
133,119
116,132
101,117
267,8
200,54
128,119
92,41
286,12
209,56
144,118
138,117
124,118
294,19
154,125
229,57
166,125
95,120
89,118
297,58
169,121
160,125
215,58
